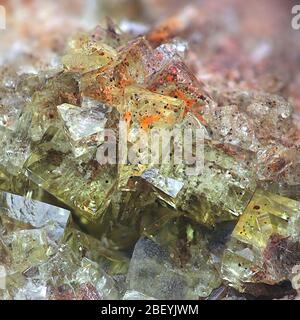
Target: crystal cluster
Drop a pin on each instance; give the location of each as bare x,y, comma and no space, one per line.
143,229
264,245
40,261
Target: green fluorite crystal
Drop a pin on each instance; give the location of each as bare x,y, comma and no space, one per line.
84,126
30,230
221,191
264,245
173,264
86,54
35,213
83,184
45,258
160,227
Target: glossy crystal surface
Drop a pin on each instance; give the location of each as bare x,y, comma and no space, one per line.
79,220
266,233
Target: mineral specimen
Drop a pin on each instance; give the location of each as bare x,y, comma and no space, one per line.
155,272
249,119
221,189
39,260
264,245
83,184
210,213
35,213
84,126
87,55
176,80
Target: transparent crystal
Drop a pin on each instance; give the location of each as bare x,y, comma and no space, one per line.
264,245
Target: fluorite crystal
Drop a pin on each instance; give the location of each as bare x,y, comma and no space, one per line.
85,126
145,109
154,271
264,245
15,146
86,54
35,213
60,88
220,193
30,232
175,80
146,226
135,295
83,184
40,259
249,119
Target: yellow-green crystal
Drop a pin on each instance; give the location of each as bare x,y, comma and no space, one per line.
267,215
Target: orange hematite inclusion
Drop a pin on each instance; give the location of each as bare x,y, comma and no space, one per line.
148,120
158,71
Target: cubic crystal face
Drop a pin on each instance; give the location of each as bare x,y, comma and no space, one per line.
84,126
175,80
87,54
220,192
221,222
37,256
83,185
269,224
35,213
153,273
163,110
30,231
